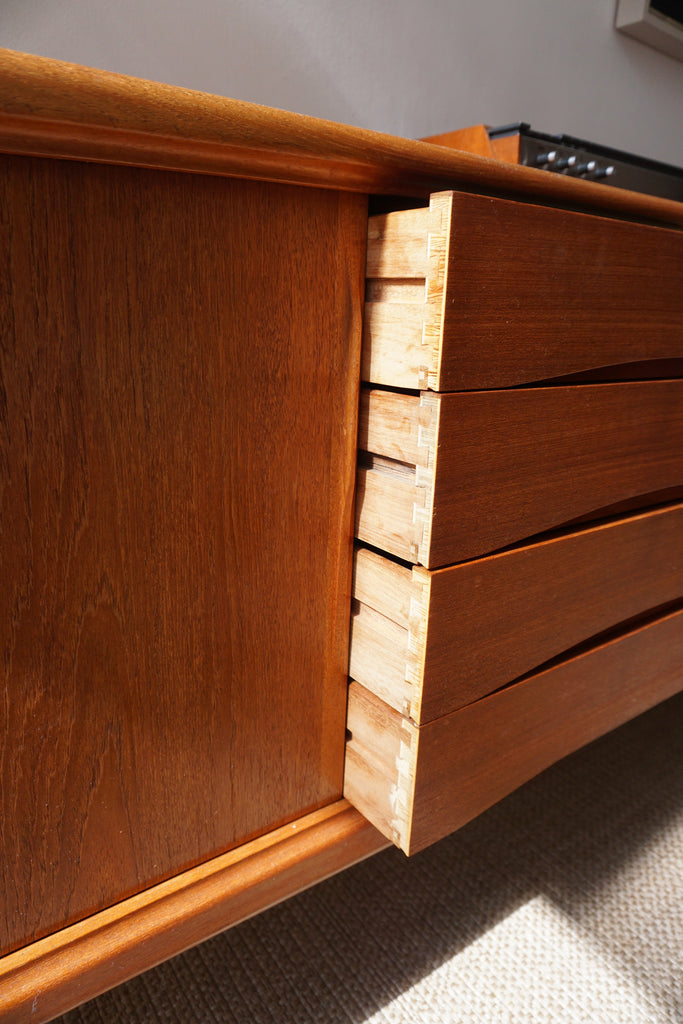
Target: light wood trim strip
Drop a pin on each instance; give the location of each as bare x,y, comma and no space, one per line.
51,976
398,426
51,108
403,334
389,630
398,244
438,278
393,513
393,349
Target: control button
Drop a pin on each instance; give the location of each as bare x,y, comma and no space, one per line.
604,172
586,168
546,158
563,162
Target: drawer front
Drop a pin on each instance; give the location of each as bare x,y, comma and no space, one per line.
419,784
475,292
455,476
428,643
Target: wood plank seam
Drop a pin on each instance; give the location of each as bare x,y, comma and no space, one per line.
386,511
422,512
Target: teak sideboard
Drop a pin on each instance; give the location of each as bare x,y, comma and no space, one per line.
284,402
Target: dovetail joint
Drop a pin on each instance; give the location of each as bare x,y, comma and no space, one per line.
402,792
416,649
424,474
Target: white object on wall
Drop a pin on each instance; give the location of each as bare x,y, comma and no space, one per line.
637,18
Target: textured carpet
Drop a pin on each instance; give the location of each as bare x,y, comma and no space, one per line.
564,903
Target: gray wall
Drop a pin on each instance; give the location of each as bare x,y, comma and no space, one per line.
403,67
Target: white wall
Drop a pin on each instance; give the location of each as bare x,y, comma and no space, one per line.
403,67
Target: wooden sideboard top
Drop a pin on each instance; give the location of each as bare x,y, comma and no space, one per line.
54,109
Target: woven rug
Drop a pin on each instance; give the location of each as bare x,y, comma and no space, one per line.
564,903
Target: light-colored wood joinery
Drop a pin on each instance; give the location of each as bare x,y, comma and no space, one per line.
405,295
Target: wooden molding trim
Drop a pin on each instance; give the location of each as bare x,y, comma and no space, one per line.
53,109
53,975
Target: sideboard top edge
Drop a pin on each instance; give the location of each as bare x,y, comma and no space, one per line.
55,109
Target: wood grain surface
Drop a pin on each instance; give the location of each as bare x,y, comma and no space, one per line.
534,293
78,963
531,294
176,474
457,634
514,463
469,760
506,147
496,618
475,139
51,108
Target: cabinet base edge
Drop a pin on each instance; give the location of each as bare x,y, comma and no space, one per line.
51,976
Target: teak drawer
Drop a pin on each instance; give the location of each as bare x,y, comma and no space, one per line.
429,642
475,292
419,784
447,478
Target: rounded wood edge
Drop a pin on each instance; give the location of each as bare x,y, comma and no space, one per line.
55,974
55,109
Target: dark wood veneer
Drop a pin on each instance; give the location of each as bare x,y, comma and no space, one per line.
175,460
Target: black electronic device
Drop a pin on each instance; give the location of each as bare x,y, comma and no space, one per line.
565,154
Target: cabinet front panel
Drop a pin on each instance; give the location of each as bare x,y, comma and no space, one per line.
178,386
